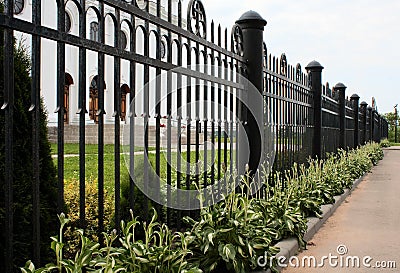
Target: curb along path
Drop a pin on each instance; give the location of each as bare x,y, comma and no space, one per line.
362,235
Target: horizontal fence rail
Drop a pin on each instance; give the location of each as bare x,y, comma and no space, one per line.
188,106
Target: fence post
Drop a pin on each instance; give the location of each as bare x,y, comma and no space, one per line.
363,106
373,125
386,129
371,132
252,25
314,70
395,124
379,128
356,108
341,88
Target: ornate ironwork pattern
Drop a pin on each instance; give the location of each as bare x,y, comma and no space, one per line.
283,65
196,19
237,40
298,73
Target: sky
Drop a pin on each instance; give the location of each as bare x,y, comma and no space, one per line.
357,41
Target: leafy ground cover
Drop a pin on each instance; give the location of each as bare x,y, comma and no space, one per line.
227,237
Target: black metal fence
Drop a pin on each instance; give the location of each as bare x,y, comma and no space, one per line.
313,120
210,104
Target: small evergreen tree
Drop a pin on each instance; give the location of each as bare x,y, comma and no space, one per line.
23,167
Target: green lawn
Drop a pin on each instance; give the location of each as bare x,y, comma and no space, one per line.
71,163
90,149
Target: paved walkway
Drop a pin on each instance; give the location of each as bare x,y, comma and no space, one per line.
366,224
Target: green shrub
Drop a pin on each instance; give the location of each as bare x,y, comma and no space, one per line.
374,152
384,143
23,168
71,196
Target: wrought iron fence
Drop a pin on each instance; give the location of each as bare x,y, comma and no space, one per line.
292,100
185,77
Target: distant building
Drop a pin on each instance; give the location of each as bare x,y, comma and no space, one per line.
23,10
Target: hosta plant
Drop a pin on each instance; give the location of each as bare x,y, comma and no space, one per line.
162,251
229,236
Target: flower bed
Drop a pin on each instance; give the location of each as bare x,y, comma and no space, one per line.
229,236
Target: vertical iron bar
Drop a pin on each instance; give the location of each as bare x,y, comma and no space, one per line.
132,115
158,125
197,118
226,77
212,108
237,121
231,121
8,106
169,117
274,91
225,163
179,118
60,106
188,122
146,121
157,189
117,124
205,124
179,133
35,109
280,119
82,123
100,113
169,135
219,115
285,124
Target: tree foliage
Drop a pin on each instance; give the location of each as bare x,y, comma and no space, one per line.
391,119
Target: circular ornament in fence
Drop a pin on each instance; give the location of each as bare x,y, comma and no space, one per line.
196,18
237,40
